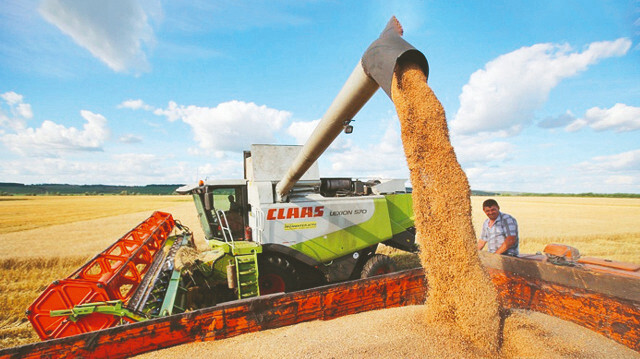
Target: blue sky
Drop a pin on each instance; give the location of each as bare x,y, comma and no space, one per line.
540,96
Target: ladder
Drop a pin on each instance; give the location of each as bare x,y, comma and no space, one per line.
247,274
224,227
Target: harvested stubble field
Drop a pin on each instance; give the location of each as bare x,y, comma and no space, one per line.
30,259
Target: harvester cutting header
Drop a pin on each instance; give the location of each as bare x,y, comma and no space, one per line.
280,228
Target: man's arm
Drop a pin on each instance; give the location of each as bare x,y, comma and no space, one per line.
481,241
481,244
510,226
508,243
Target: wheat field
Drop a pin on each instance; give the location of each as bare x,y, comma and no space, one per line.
46,238
19,213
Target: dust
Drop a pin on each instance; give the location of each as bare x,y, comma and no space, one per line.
460,291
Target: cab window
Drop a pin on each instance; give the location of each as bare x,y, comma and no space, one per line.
230,202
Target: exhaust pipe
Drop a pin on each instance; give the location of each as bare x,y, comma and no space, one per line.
375,69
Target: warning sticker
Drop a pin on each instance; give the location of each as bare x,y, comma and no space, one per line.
299,225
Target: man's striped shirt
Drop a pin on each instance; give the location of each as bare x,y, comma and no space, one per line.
504,226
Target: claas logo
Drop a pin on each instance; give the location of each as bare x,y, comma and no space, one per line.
294,212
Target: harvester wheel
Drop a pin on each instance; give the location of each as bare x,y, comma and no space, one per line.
276,275
377,265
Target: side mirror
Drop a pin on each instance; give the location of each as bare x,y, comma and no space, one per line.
347,127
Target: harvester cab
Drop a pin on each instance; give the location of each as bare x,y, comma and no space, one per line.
222,209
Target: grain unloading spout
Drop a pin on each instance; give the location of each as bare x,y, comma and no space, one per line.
381,59
375,69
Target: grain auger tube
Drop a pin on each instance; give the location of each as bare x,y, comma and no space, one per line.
375,69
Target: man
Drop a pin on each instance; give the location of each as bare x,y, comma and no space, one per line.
233,205
500,230
234,216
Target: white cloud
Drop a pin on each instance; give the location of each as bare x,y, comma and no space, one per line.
230,126
475,150
50,139
602,174
621,180
612,173
557,121
122,169
130,138
383,158
145,164
11,98
525,178
620,118
24,110
301,130
576,125
625,161
20,111
116,31
136,105
222,169
503,97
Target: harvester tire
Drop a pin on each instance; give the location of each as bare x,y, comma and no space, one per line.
276,274
378,264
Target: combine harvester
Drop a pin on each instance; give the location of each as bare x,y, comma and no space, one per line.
286,246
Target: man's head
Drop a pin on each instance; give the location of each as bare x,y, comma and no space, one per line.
491,209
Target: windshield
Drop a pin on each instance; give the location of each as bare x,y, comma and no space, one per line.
225,210
225,199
